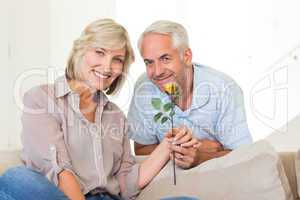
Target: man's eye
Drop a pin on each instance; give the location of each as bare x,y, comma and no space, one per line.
165,59
148,62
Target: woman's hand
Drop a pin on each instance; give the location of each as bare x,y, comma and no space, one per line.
183,137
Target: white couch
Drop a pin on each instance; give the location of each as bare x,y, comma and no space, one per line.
285,143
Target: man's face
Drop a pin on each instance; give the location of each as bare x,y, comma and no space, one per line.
164,64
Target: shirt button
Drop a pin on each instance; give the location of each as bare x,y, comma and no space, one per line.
52,148
93,128
84,122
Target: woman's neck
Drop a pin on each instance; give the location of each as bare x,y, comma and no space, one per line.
87,105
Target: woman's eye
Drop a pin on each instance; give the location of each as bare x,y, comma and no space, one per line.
101,53
119,60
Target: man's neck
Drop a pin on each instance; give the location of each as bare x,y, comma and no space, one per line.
185,100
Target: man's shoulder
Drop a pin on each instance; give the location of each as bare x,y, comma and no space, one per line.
213,77
144,85
209,73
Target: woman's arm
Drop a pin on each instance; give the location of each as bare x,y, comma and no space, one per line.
44,145
154,163
69,185
162,153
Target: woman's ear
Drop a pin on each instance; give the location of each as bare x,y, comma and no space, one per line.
187,56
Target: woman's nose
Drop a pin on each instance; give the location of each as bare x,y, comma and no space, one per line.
107,62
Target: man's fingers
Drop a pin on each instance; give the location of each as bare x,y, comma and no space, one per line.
192,143
179,149
197,145
184,139
178,156
182,164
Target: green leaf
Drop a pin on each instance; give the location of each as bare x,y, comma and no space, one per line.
172,113
156,103
168,106
157,116
164,119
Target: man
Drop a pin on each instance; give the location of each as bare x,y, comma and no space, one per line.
210,105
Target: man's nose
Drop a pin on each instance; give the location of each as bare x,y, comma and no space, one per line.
158,69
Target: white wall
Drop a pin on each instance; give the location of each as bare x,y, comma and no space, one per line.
24,45
36,37
248,40
68,19
255,42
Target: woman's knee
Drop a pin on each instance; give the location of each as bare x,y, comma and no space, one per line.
24,183
18,175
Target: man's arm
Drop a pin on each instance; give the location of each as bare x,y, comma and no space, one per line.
142,150
205,156
188,157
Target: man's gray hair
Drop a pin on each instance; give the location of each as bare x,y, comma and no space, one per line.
175,30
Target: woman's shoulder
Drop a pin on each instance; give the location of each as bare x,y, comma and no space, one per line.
37,96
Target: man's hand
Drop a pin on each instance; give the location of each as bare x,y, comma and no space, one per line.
183,143
190,152
179,136
208,146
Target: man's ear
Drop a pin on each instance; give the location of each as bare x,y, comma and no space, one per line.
187,56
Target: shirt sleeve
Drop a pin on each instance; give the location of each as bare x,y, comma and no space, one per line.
128,174
232,129
44,148
140,116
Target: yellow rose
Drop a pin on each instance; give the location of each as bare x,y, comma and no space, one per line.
171,88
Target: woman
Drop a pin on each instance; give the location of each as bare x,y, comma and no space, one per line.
75,140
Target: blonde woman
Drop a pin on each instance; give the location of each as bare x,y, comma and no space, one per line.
75,140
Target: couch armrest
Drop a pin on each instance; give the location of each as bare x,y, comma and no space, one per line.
9,159
288,161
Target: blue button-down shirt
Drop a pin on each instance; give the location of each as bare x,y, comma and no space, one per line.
216,113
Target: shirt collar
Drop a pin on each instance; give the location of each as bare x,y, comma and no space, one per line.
62,88
201,88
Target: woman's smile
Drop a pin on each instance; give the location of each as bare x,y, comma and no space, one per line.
101,75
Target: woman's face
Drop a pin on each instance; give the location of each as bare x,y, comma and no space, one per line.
102,66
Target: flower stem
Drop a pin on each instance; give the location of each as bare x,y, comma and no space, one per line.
172,126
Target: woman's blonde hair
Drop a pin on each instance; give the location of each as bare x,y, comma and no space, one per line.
106,34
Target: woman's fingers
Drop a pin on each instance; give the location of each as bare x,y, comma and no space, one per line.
169,134
180,132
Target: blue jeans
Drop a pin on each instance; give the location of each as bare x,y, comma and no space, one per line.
21,183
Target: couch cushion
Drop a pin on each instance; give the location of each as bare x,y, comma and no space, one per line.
286,141
251,172
297,169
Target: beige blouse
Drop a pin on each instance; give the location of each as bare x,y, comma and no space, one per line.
56,136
